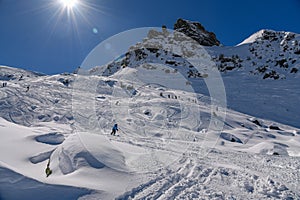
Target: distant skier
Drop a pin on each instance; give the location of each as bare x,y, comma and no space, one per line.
21,77
27,88
114,129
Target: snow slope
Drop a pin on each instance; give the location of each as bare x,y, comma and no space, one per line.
163,152
46,100
267,63
252,38
169,145
266,66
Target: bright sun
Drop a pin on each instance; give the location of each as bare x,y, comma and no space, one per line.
69,3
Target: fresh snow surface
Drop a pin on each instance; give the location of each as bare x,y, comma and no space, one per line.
163,149
252,38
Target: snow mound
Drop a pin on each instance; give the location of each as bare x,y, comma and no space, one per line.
86,150
72,155
229,137
51,138
40,157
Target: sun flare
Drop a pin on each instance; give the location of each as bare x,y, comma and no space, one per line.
69,3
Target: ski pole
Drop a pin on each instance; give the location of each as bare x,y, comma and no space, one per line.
121,131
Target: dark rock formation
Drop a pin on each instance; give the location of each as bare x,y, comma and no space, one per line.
196,31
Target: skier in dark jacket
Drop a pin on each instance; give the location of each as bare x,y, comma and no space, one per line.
48,170
114,129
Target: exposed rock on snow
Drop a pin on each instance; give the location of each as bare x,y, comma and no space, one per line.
196,31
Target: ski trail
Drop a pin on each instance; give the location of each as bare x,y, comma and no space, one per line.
157,187
219,176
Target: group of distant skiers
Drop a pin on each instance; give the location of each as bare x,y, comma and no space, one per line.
4,84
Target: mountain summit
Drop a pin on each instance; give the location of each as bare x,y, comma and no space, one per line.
196,31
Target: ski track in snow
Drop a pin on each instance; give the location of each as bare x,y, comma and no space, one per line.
222,175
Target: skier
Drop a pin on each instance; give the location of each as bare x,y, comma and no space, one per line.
114,129
21,77
48,170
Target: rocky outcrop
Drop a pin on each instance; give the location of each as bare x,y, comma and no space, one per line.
196,31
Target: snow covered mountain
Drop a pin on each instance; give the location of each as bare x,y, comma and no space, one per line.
264,66
267,64
166,148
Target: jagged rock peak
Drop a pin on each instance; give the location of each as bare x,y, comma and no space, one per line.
196,31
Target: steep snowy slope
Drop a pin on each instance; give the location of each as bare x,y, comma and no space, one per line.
265,67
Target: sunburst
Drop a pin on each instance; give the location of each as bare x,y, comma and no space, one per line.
69,4
67,15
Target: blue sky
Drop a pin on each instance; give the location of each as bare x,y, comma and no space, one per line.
37,35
